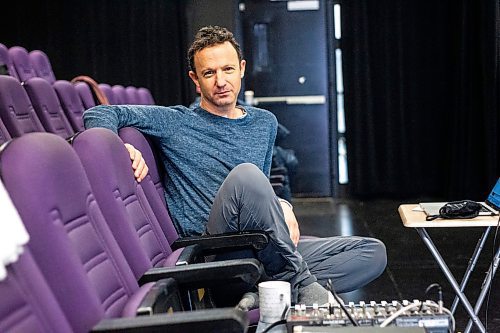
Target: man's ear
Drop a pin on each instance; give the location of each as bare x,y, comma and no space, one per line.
243,63
194,77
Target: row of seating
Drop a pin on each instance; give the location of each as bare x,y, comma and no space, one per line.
109,256
32,100
103,249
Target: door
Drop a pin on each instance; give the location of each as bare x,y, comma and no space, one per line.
285,45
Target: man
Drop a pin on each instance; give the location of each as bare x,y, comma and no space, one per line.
217,159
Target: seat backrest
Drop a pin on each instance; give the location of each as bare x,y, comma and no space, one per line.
47,107
120,94
85,94
5,60
22,63
152,185
145,96
83,265
124,204
16,109
70,103
132,96
106,89
28,304
42,66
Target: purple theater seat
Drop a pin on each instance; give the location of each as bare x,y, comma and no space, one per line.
5,60
155,193
120,94
46,104
83,265
85,95
22,63
70,103
123,202
145,96
106,89
41,63
58,208
16,110
28,304
132,97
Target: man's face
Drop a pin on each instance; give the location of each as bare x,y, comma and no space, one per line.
218,77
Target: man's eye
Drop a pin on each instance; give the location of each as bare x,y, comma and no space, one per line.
229,69
208,74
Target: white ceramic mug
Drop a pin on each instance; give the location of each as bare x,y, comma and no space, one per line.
274,299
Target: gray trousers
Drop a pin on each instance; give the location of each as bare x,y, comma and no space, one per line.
246,201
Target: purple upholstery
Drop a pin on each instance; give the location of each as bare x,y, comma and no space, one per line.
83,265
16,110
132,97
28,304
22,63
124,204
106,89
120,94
47,107
4,134
152,185
41,63
5,59
70,103
85,95
145,96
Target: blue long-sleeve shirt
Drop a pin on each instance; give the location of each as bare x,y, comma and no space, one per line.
198,149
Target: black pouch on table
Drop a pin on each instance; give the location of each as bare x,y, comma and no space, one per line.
463,209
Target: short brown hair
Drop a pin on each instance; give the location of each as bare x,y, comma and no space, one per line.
210,36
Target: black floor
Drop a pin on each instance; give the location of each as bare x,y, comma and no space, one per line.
411,268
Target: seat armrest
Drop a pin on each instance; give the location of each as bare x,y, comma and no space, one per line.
161,298
189,255
213,320
208,274
211,244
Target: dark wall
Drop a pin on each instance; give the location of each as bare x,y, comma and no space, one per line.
124,42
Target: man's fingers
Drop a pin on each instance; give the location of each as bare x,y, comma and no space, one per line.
138,162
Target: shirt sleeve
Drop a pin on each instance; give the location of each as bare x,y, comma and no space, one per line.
149,119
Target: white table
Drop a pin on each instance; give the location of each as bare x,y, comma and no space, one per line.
416,219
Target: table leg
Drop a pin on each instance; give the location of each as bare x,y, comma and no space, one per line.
442,264
471,266
485,287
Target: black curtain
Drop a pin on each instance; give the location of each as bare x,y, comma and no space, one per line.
421,98
125,42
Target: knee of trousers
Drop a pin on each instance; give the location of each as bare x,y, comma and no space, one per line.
249,177
379,256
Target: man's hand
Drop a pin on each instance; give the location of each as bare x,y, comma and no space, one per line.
291,222
138,163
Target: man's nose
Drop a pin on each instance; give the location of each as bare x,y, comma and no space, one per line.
220,79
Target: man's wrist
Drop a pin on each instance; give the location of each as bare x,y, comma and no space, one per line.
285,202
